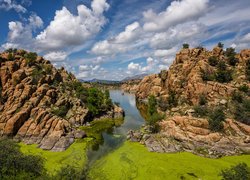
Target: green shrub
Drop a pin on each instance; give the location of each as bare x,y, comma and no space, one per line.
223,75
30,58
230,54
207,75
244,88
216,117
60,111
237,96
10,57
238,172
37,74
242,111
220,45
202,99
69,173
212,61
248,69
152,104
200,111
15,165
172,99
185,46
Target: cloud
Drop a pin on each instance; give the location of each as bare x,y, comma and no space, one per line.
67,30
119,43
178,12
9,5
56,56
21,35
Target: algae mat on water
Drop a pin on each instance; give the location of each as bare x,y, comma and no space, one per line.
133,161
74,156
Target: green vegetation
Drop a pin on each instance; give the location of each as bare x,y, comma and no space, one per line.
223,75
37,74
134,161
216,118
10,57
30,58
154,116
202,99
16,165
240,172
97,101
248,69
185,46
200,111
230,54
75,156
212,61
220,45
244,88
207,75
60,111
242,111
11,50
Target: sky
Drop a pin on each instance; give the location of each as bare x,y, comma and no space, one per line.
115,39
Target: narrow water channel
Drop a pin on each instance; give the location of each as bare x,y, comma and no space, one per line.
117,135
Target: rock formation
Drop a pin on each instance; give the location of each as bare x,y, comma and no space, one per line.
218,76
39,103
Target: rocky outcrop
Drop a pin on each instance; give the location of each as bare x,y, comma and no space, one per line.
38,103
184,77
130,86
184,133
179,91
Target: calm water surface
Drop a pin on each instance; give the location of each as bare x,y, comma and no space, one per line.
116,136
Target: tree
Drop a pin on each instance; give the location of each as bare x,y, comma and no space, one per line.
238,172
185,46
220,45
15,165
230,54
213,61
223,75
152,103
216,117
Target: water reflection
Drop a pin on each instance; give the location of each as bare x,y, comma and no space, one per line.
112,138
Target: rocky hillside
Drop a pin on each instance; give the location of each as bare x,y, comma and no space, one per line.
205,98
42,105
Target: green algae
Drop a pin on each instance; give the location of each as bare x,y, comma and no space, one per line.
134,161
75,156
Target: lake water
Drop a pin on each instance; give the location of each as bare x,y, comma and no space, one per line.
115,137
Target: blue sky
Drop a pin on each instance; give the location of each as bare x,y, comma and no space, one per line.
114,39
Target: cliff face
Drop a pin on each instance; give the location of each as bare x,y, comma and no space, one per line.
39,103
198,81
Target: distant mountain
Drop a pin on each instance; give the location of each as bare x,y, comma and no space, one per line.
136,77
101,81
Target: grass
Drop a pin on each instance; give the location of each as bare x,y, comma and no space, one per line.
134,161
74,156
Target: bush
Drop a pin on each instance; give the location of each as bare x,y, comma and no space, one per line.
248,69
242,111
244,88
15,165
172,99
212,61
185,46
69,173
216,117
202,99
236,96
220,45
200,111
238,172
37,74
10,57
30,58
207,75
152,103
230,54
60,111
223,75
